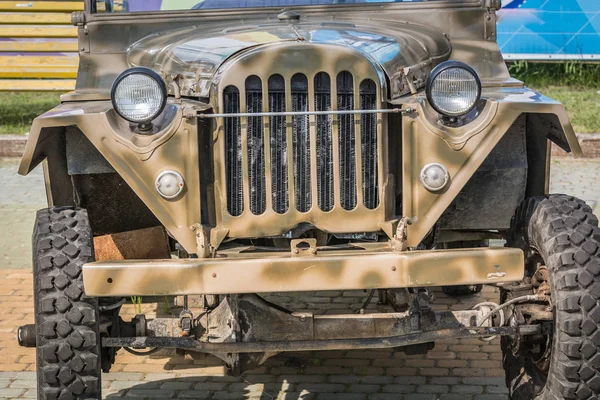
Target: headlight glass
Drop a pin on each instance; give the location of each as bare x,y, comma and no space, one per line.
139,95
453,89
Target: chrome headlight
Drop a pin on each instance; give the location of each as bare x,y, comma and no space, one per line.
139,95
453,88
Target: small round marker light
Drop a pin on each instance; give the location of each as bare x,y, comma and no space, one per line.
434,177
169,184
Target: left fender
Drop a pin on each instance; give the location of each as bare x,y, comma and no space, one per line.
463,150
138,159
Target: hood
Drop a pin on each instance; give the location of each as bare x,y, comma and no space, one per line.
405,52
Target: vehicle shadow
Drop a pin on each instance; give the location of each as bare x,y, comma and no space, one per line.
287,376
352,374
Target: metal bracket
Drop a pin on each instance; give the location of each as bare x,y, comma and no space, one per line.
490,18
398,242
186,321
415,77
399,299
139,322
203,247
304,247
493,4
78,18
175,85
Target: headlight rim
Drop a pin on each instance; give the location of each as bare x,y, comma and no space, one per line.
443,67
143,71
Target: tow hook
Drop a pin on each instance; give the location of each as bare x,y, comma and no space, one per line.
26,335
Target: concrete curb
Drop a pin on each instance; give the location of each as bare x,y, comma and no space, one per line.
14,145
590,145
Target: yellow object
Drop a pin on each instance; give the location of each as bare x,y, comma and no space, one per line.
26,23
37,85
25,46
24,31
35,18
38,66
52,6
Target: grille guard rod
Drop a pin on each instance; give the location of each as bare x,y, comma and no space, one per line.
301,113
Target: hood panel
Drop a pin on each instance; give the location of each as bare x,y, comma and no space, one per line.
197,54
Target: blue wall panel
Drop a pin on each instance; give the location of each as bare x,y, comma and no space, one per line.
550,30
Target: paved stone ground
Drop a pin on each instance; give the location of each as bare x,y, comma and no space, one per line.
459,369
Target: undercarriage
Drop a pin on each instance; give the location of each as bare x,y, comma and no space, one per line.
245,330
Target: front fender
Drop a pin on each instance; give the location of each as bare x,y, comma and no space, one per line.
137,158
463,150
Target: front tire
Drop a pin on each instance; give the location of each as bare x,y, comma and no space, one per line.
67,333
561,233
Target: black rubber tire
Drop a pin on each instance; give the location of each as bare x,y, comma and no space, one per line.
462,290
563,231
67,333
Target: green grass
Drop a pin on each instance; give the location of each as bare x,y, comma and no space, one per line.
571,74
583,105
574,84
18,109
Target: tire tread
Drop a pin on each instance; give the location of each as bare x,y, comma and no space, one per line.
68,345
564,232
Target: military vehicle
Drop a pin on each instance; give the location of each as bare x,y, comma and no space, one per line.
216,151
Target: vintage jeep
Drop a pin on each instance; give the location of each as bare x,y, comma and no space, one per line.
220,152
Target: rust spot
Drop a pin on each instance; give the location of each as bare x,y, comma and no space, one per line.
148,243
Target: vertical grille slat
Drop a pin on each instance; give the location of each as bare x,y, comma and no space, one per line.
324,142
278,142
301,144
347,141
256,147
233,152
369,149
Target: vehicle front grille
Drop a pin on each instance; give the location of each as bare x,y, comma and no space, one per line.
233,146
280,152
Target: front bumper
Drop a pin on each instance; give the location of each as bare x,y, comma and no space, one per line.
252,272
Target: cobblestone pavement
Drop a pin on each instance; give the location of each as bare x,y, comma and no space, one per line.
458,369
